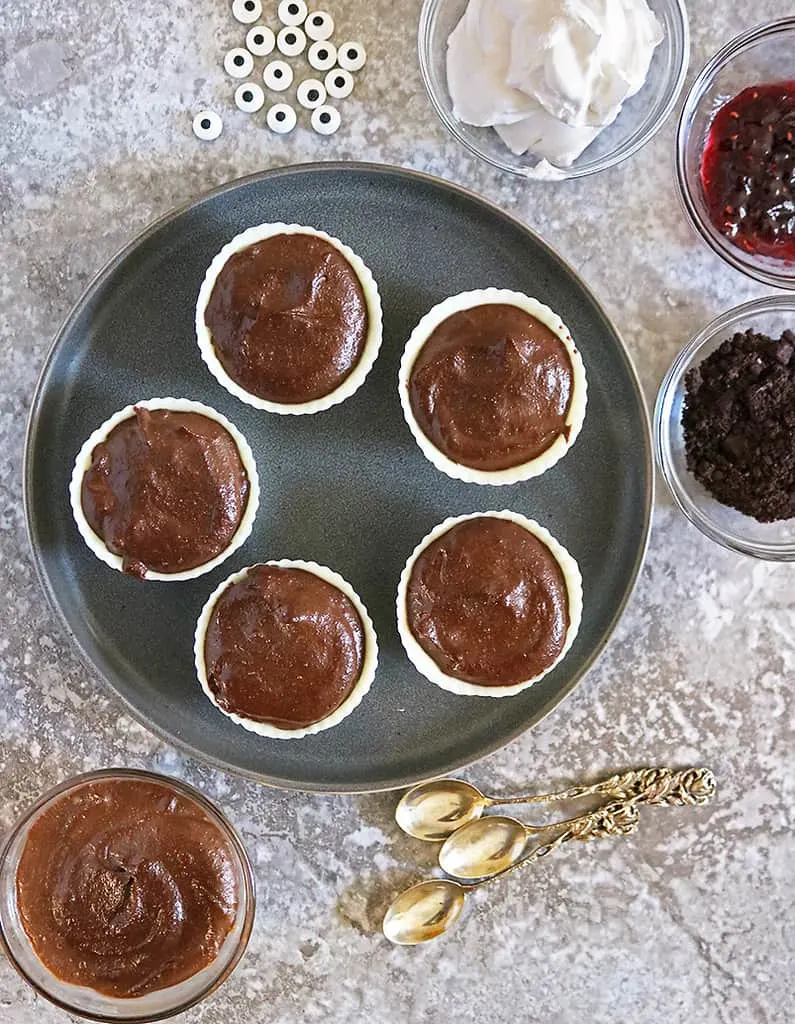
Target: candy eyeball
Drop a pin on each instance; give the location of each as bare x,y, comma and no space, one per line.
325,120
311,93
260,40
292,12
319,25
291,41
278,75
247,11
352,56
322,55
339,83
281,118
249,97
207,125
238,63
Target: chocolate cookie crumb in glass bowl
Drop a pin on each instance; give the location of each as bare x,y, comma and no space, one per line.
716,448
739,423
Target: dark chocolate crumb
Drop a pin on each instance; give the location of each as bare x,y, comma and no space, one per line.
739,424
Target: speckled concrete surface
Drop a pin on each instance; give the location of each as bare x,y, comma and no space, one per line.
692,919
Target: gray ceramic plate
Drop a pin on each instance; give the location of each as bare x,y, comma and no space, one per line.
348,488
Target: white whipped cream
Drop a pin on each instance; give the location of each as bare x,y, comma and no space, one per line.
549,75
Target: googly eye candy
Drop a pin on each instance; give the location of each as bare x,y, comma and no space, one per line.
292,12
281,118
325,120
207,125
311,93
322,55
238,63
278,75
291,41
247,11
352,56
319,25
260,41
339,83
249,97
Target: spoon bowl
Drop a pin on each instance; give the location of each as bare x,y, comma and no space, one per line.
433,811
484,847
424,912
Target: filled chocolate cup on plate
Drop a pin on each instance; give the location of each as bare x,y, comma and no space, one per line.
166,490
488,604
289,319
493,387
285,649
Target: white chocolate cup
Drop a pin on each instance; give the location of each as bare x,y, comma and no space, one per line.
576,414
354,698
83,462
425,664
372,344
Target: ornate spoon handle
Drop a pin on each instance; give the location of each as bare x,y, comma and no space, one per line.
610,821
691,786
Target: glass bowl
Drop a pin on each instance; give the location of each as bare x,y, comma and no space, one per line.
640,119
86,1002
771,541
763,54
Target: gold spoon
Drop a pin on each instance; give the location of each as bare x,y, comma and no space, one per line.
430,909
488,846
433,811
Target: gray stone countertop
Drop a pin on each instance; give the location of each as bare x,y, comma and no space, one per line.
693,918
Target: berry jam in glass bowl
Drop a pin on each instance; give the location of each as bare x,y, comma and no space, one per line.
748,170
736,153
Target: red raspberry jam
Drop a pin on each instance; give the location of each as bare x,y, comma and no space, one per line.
748,170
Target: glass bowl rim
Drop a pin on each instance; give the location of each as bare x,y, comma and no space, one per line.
609,160
218,817
770,552
730,254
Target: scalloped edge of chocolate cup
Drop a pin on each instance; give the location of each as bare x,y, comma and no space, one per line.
577,407
360,689
83,462
425,664
372,344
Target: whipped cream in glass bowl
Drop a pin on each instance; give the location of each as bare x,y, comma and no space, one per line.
553,89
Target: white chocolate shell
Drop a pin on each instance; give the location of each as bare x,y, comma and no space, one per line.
372,343
425,664
574,420
354,698
83,462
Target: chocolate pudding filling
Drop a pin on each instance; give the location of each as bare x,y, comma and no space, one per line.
288,318
166,491
488,602
492,386
283,646
126,887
